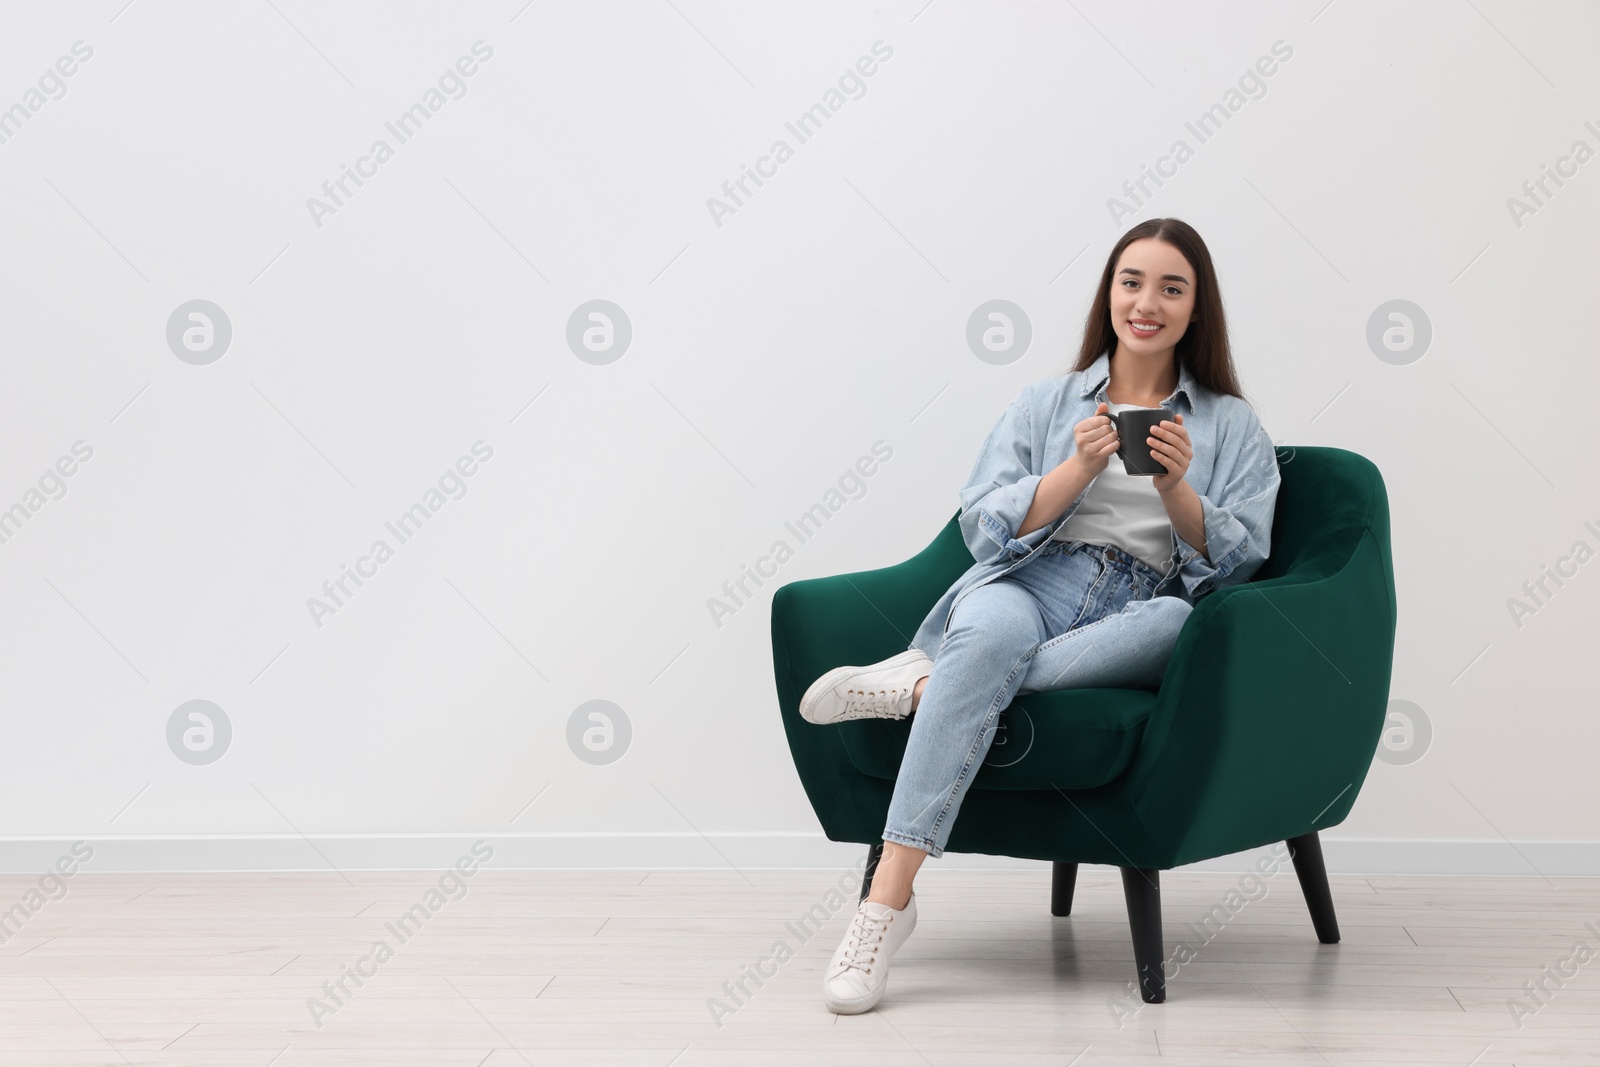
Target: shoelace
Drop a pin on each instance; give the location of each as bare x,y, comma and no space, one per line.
861,947
874,701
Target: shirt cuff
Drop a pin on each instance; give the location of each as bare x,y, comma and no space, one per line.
1003,509
1226,540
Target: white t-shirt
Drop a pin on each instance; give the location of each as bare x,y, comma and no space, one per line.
1124,510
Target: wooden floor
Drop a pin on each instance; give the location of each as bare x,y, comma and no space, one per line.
624,967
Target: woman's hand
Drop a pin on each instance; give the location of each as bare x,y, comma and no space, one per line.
1095,441
1169,444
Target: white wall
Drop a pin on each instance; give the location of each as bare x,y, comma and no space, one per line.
373,346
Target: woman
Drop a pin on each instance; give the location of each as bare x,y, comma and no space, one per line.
1083,574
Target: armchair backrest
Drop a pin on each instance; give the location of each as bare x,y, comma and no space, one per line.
1327,499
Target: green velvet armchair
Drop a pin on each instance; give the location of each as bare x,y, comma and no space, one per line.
1262,730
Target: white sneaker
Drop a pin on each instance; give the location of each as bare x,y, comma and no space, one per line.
881,690
856,977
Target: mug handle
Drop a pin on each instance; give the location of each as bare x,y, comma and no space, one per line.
1117,426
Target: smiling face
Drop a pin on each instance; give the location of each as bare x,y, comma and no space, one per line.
1152,297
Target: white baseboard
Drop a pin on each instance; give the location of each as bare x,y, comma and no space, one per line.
714,851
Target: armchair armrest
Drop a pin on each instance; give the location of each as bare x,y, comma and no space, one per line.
821,623
1270,710
868,615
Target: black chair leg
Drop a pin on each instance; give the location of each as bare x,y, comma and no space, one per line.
1063,879
874,854
1306,851
1141,887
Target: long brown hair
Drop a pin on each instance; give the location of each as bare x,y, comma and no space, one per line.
1203,348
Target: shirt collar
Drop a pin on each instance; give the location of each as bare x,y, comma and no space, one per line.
1099,373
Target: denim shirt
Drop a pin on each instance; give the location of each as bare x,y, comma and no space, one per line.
1234,470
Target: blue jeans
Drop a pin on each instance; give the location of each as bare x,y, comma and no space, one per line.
1077,615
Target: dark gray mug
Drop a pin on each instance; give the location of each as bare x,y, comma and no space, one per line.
1132,427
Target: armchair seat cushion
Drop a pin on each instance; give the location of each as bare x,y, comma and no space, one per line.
1067,739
